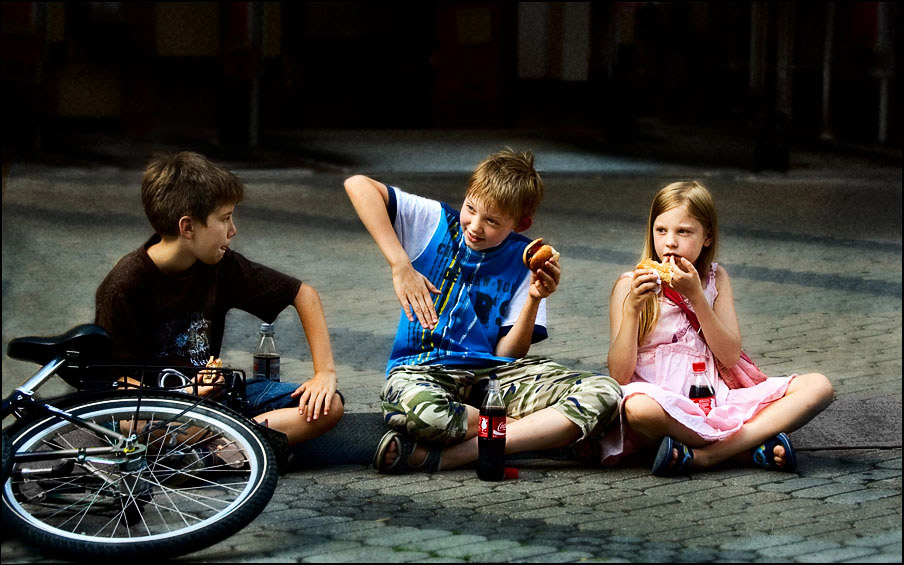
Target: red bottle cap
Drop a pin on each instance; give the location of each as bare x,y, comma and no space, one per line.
699,367
510,473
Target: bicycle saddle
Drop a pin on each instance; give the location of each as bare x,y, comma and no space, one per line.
87,342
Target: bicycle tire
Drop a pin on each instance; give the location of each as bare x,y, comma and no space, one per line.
205,473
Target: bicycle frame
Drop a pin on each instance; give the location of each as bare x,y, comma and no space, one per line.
22,400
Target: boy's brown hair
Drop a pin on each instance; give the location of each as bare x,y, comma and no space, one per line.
508,181
185,184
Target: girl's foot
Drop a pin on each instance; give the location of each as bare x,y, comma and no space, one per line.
673,458
775,454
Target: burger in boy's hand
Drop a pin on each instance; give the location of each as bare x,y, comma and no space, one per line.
537,253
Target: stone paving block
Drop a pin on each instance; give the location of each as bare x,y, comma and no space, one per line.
794,484
520,553
578,518
476,551
402,537
366,554
871,476
557,557
301,550
865,495
439,543
794,550
370,533
877,539
336,529
878,558
882,522
837,555
758,542
826,491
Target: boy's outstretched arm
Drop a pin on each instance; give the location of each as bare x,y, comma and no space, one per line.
370,199
316,395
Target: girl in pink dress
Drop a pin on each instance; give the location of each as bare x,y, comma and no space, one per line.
654,346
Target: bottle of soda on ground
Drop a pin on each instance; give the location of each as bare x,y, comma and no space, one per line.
491,434
702,392
266,357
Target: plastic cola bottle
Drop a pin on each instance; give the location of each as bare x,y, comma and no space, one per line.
702,392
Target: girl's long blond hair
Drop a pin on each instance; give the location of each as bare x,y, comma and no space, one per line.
701,207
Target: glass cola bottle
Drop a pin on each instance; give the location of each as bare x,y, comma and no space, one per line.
266,356
491,434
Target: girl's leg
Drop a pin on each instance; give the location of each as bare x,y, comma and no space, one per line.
807,396
650,423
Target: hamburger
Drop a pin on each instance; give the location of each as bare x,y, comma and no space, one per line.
663,270
537,253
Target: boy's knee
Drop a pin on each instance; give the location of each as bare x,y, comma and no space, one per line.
337,409
430,422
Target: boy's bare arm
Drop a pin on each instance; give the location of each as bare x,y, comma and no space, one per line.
517,342
316,395
413,289
543,283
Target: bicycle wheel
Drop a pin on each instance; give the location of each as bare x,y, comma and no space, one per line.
200,474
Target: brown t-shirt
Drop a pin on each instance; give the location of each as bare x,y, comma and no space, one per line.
154,318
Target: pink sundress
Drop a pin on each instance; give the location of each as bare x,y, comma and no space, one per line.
663,372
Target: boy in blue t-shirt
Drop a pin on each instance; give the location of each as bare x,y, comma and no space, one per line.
471,308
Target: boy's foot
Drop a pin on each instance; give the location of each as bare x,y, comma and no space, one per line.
397,453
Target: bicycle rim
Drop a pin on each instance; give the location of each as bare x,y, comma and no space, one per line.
203,473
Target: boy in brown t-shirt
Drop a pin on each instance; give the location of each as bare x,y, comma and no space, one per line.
166,302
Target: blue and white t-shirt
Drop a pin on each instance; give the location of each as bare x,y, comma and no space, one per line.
481,293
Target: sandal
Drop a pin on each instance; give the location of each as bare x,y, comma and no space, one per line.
764,454
404,448
662,466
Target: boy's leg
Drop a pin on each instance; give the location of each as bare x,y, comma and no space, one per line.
588,400
273,402
427,403
549,406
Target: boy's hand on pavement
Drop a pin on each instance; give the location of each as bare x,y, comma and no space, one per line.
316,395
414,293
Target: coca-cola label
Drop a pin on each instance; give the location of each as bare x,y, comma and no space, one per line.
705,404
486,423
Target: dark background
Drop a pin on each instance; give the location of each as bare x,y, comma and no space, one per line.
237,78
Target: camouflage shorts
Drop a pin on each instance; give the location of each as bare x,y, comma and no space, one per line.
428,401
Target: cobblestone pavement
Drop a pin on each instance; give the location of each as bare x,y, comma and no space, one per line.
815,260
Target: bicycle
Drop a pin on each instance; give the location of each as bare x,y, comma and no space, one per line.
129,465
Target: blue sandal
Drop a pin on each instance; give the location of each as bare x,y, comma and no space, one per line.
662,466
764,454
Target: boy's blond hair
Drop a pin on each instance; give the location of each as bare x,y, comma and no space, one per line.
507,181
185,184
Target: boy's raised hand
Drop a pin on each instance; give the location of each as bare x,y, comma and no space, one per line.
414,293
545,280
